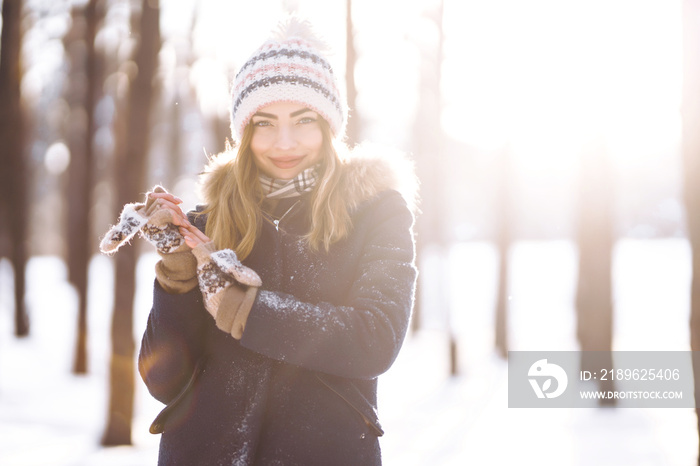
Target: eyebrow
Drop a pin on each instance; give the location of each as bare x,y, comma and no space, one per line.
274,117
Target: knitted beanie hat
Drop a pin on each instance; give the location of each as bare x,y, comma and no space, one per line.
289,67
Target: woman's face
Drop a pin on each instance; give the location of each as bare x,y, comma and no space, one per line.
287,139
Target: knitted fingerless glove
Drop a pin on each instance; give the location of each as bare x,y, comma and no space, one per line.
177,272
154,223
234,308
228,287
177,269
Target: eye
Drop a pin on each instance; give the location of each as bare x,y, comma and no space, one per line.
262,123
306,120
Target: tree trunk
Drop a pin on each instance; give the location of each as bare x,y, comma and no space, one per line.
691,158
426,131
354,121
131,164
80,188
172,163
594,305
13,180
503,241
433,170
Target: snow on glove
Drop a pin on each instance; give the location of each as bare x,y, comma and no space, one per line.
130,222
155,224
218,270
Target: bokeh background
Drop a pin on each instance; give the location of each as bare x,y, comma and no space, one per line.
558,148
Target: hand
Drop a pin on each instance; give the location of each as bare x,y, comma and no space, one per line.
165,200
217,273
193,236
158,219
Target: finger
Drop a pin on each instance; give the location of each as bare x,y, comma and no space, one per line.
186,232
196,233
170,196
169,204
202,237
191,240
192,243
167,196
179,218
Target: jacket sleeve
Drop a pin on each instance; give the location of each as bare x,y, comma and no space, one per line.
362,337
172,342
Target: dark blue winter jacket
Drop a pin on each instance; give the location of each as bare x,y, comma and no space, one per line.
300,387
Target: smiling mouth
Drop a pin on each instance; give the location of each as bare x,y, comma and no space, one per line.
287,162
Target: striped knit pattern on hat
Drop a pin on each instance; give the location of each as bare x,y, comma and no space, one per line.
288,68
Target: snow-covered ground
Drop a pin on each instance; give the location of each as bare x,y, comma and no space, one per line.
49,417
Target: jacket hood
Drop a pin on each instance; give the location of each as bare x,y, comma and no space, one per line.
368,169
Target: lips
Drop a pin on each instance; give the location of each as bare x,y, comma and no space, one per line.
287,162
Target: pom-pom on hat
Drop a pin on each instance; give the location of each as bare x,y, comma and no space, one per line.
289,67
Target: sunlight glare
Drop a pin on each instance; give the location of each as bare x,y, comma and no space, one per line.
546,76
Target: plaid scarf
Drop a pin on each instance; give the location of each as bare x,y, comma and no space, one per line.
281,189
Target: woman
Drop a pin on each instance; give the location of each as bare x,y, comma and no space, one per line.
275,359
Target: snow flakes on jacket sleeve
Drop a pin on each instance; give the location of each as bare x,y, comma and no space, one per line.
359,334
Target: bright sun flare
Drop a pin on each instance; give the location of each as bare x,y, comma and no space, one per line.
548,76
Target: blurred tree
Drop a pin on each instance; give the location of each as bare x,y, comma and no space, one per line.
176,105
504,213
691,157
432,166
83,91
221,125
13,175
425,128
174,166
354,121
594,305
131,156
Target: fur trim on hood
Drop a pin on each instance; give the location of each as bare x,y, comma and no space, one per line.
372,168
368,169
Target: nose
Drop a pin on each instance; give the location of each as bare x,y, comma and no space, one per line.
285,137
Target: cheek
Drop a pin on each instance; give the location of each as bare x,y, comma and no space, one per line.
314,140
259,144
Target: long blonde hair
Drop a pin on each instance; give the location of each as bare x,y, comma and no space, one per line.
234,198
